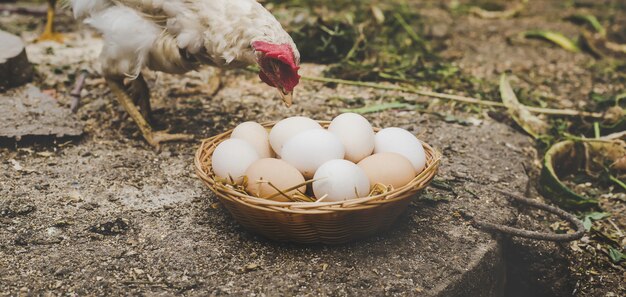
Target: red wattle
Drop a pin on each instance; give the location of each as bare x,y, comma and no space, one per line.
288,75
266,79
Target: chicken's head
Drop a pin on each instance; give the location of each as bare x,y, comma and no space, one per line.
279,67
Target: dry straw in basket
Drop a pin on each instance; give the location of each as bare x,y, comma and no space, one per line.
313,222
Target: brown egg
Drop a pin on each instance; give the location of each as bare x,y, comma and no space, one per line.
278,172
388,169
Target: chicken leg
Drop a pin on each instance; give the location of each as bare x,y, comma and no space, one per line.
48,33
154,138
139,91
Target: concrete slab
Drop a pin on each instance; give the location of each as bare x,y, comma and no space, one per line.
28,112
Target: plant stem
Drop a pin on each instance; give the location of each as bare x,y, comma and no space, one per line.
464,99
617,181
596,129
408,28
584,139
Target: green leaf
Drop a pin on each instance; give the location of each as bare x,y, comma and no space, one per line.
616,255
561,159
597,215
554,37
588,156
378,107
591,20
522,116
593,216
587,223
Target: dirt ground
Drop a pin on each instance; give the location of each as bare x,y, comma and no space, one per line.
106,214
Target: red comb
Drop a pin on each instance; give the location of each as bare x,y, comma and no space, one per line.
283,53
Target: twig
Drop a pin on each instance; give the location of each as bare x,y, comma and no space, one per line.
464,99
619,231
578,224
615,135
75,93
585,139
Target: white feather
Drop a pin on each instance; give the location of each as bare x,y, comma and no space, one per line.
84,8
128,39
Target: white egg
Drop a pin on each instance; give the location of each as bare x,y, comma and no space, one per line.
340,180
287,128
256,135
310,149
231,158
400,141
356,134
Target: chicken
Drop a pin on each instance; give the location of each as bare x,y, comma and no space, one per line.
178,36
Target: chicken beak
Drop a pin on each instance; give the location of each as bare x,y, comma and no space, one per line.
287,97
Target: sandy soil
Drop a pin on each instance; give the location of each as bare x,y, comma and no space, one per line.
108,215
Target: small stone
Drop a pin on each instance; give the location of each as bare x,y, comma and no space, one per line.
53,232
74,197
89,206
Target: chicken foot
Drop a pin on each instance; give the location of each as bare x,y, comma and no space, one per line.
49,33
154,138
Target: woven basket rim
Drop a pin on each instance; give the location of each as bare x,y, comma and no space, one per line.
202,165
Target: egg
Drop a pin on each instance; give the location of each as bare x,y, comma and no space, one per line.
278,172
287,128
388,169
256,135
340,180
356,134
231,158
310,149
398,140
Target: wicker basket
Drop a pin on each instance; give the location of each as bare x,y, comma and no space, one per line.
314,222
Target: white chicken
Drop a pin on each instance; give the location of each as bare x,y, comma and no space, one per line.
178,36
